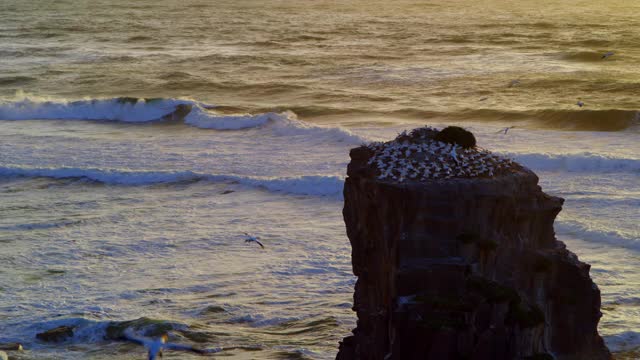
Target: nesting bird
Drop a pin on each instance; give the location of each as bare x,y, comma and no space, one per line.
420,156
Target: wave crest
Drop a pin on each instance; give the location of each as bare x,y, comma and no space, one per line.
141,110
315,185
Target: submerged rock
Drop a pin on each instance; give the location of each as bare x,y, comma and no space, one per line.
59,334
463,267
11,347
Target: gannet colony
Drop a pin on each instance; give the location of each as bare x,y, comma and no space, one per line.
425,154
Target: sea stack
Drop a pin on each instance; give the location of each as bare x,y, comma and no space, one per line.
456,258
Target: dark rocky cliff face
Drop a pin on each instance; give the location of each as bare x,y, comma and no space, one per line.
464,268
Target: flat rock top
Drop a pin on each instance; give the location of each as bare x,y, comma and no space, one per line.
418,156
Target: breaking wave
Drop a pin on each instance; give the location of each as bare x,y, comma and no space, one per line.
589,233
142,110
315,185
91,331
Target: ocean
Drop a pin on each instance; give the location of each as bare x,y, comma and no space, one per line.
115,214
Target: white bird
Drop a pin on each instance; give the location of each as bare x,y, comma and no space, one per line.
580,103
251,238
156,346
607,54
453,155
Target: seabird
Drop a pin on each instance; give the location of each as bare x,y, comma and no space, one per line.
454,155
156,346
251,238
504,131
607,54
580,103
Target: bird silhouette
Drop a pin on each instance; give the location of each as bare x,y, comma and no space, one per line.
250,238
504,131
607,54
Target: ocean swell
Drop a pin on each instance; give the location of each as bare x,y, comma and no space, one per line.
562,119
142,110
315,185
581,162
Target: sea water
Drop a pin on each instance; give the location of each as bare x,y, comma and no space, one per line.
111,218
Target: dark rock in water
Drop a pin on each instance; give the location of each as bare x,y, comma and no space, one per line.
456,135
149,327
11,347
58,334
213,309
127,100
464,268
227,192
181,111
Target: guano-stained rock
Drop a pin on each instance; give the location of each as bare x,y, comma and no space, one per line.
464,268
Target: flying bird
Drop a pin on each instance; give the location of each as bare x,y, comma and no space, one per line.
156,346
607,55
504,131
251,238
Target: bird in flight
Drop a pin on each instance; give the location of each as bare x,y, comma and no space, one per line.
156,346
504,131
607,54
250,238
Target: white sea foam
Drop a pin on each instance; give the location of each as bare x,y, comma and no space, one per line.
583,231
203,119
91,331
147,110
580,162
300,185
282,124
114,109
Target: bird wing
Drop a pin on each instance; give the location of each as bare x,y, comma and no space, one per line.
130,336
259,243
